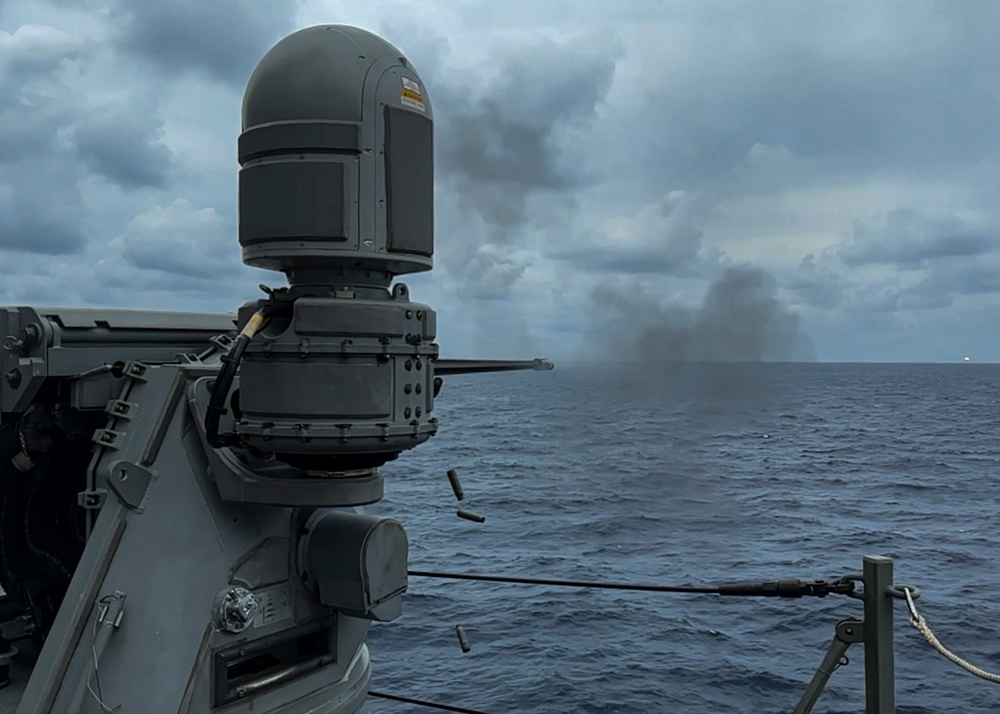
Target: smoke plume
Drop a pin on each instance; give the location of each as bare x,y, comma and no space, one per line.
707,356
740,319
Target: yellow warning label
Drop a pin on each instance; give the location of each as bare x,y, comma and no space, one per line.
411,99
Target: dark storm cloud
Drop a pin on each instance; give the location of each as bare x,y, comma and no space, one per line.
936,258
29,230
911,88
39,208
28,134
180,240
124,150
663,237
501,143
504,140
635,262
909,239
816,284
40,202
224,38
873,299
740,319
35,105
924,263
946,280
47,125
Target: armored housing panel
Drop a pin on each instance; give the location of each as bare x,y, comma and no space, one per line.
337,157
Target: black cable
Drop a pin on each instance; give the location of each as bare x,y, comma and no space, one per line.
224,380
566,583
766,588
423,703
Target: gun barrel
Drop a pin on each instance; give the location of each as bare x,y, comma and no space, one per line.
474,366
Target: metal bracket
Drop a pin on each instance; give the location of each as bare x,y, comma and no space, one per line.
223,342
24,343
129,482
848,632
107,438
92,500
136,371
119,409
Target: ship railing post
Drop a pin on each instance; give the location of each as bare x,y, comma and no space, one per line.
880,684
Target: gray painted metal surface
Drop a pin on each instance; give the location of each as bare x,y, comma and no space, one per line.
168,543
880,685
171,544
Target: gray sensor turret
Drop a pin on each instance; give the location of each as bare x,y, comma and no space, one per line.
337,192
337,157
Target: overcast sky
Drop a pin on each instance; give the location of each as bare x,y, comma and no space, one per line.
598,164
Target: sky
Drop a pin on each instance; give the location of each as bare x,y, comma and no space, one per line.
702,179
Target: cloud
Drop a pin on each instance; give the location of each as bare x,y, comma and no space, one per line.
181,240
501,142
906,262
896,92
39,208
51,138
124,148
909,239
851,152
502,147
40,204
33,65
663,237
816,284
222,38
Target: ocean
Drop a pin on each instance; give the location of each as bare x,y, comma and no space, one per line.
695,475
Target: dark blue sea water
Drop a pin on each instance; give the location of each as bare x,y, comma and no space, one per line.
699,475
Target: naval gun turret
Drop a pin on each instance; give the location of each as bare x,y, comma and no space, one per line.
179,521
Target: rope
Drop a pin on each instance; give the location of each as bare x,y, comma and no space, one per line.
918,622
424,703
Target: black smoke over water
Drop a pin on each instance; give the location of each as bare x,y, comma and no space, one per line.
714,354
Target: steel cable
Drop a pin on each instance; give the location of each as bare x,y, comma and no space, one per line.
424,703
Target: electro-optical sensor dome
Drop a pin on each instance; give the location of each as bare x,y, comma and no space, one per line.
336,157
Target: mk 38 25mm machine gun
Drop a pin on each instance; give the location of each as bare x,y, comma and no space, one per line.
176,530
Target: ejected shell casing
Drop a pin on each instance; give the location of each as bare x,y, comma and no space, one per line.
463,639
470,516
456,485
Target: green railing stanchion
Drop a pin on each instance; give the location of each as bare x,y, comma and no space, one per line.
880,678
